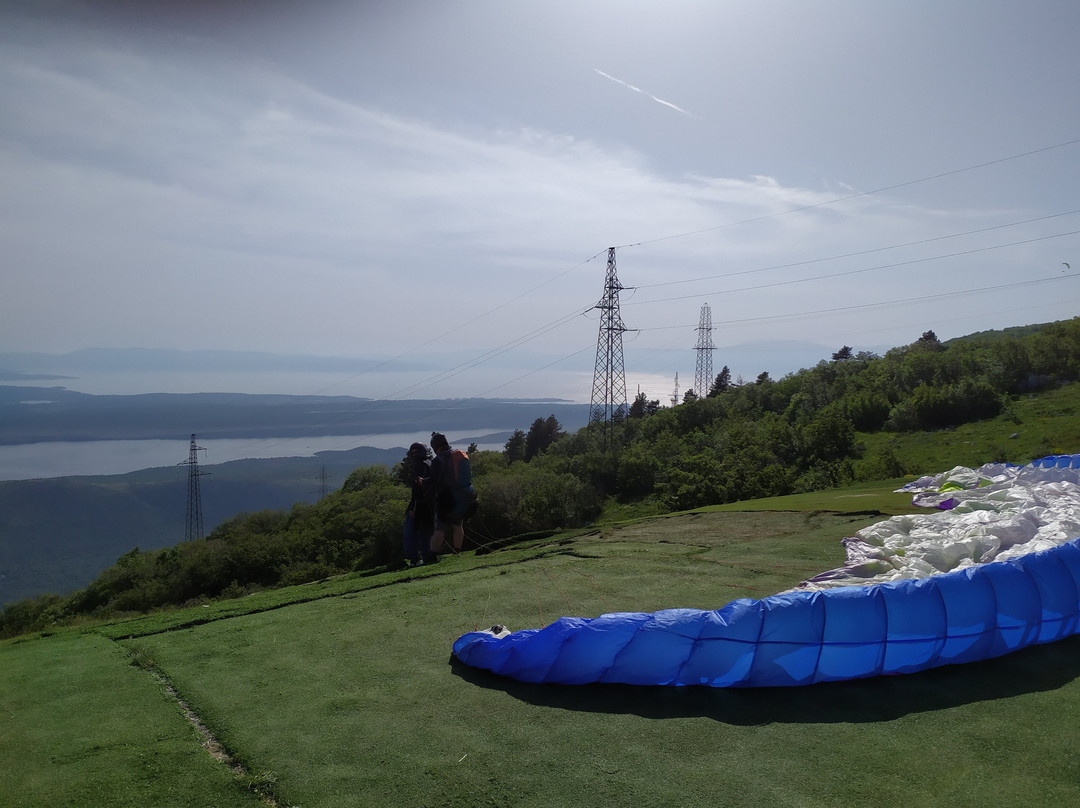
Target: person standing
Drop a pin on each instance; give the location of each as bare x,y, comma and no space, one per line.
455,497
420,512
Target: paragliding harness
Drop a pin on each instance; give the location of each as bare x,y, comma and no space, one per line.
457,498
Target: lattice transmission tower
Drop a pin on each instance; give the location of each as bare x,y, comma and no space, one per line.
609,376
193,528
703,377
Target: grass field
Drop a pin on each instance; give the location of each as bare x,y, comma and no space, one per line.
343,693
1033,426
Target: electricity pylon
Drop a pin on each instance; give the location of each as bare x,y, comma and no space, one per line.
609,376
193,528
703,377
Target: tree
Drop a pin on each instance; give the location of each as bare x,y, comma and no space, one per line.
642,407
542,433
842,354
364,477
636,475
692,482
929,342
722,382
515,447
829,436
689,396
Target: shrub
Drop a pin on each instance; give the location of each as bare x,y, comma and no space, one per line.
881,464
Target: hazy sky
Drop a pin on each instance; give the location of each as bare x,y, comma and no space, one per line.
436,183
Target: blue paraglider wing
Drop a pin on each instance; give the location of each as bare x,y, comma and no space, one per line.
978,611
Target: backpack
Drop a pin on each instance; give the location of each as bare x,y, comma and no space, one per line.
456,500
458,471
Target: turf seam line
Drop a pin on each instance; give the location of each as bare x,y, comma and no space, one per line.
209,741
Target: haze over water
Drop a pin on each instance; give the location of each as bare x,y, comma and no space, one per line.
66,458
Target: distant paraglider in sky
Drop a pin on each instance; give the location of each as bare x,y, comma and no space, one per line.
994,567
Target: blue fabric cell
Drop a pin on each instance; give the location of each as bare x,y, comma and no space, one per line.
916,630
853,643
970,611
724,652
1057,595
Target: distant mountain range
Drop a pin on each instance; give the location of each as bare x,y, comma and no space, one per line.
778,357
37,414
157,360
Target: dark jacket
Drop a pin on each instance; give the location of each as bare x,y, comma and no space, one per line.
422,503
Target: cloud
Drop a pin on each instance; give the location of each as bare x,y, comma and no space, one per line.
186,196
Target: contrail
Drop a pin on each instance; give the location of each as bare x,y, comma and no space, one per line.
628,85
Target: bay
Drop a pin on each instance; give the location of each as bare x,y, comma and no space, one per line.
26,461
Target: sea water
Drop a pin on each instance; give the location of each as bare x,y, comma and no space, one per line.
27,461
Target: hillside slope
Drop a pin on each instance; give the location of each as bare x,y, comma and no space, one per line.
342,693
57,534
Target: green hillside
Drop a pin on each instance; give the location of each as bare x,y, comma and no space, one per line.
856,418
343,693
57,534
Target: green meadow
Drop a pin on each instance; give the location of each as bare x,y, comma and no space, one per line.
344,692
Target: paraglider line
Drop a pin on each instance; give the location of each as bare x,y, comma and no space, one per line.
566,599
599,592
539,605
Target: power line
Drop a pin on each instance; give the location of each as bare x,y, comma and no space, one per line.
563,320
856,253
841,309
954,318
668,345
465,324
558,361
487,356
450,373
846,273
880,304
438,378
838,199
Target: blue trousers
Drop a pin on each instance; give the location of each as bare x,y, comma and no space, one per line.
417,543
